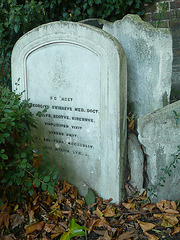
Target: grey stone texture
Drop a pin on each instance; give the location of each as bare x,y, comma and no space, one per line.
171,20
79,72
149,61
136,161
160,136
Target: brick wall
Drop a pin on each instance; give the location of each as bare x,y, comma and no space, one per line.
171,20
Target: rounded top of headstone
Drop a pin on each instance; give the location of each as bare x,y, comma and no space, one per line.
68,31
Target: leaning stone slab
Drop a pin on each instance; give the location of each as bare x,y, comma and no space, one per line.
136,161
79,72
149,61
160,136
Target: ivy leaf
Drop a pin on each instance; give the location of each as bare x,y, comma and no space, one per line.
90,11
90,197
50,189
43,186
4,156
75,230
23,155
46,179
36,182
31,192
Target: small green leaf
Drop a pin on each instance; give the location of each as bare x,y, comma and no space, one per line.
75,230
30,192
46,179
24,161
90,197
43,186
50,189
23,155
6,135
36,182
4,156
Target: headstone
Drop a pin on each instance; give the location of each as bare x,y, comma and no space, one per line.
79,72
159,134
149,61
136,162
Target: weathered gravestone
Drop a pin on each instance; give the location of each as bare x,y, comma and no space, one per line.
80,73
159,134
149,61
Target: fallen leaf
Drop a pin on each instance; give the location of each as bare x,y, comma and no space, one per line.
133,217
16,220
31,216
96,223
130,189
131,125
58,229
109,211
150,207
129,205
145,226
176,229
107,200
106,236
8,237
174,205
99,232
171,211
34,227
35,200
4,218
167,220
165,205
151,237
64,224
54,235
49,227
98,212
126,235
81,202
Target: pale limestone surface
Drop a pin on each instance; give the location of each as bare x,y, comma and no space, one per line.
80,73
149,61
160,136
136,161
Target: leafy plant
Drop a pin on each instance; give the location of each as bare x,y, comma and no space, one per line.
21,169
176,117
90,197
160,14
75,230
167,170
18,17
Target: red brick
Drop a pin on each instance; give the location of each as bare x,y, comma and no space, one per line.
150,8
178,13
174,24
164,24
147,17
166,15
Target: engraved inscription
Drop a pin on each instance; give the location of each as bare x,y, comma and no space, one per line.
65,136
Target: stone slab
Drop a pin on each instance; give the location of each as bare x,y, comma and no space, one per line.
149,61
79,72
159,134
136,161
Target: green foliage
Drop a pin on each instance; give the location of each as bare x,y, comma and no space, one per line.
176,117
21,169
90,197
75,230
160,14
166,171
18,17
